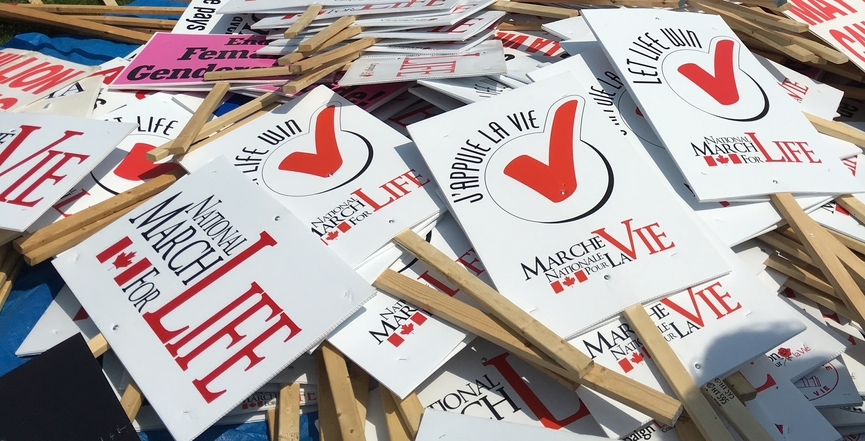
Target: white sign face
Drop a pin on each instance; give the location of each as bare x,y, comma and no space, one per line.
43,156
713,328
414,9
354,181
278,6
26,76
734,222
731,130
486,381
485,59
159,119
437,425
396,342
77,99
829,385
813,96
782,409
467,90
64,318
208,290
460,31
596,225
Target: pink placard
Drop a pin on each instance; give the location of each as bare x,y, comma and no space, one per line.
182,60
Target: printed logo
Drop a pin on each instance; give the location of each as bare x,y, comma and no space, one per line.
568,180
627,363
317,162
714,83
820,383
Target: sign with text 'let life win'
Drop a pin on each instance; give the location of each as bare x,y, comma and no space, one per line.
354,181
43,156
599,230
731,130
207,291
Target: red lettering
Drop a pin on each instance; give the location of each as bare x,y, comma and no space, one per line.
763,150
48,175
697,316
69,200
535,404
372,203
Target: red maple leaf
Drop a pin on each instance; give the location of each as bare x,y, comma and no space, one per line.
123,260
406,328
569,281
637,357
784,352
332,235
722,159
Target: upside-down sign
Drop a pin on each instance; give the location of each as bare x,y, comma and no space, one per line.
207,291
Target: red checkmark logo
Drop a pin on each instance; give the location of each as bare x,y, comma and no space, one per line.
557,180
326,160
722,85
136,167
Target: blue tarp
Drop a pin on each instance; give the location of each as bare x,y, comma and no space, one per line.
36,286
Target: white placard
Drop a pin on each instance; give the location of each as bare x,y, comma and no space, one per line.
76,100
813,96
43,156
730,129
460,31
270,293
467,90
733,222
298,6
414,9
485,59
159,119
397,343
26,76
837,22
829,385
354,181
596,226
64,318
200,17
437,425
484,380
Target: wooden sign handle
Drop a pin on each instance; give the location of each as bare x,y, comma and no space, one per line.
314,42
698,408
22,14
629,392
288,414
740,386
410,411
396,428
350,426
819,245
735,412
199,118
131,400
520,321
303,21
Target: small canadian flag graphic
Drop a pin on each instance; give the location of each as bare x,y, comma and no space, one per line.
627,364
125,261
397,337
559,285
714,161
333,235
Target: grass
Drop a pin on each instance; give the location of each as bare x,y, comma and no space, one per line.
9,28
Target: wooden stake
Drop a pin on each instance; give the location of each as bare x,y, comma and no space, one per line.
202,114
837,130
63,243
350,426
219,123
270,420
6,286
530,9
323,71
24,14
820,247
740,386
822,299
659,406
98,345
360,385
7,236
131,400
325,34
687,430
327,416
134,22
849,242
288,417
757,16
640,3
8,259
819,49
334,54
228,130
563,352
396,428
85,217
303,21
343,35
801,273
410,411
698,408
734,411
769,4
775,40
258,72
105,9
